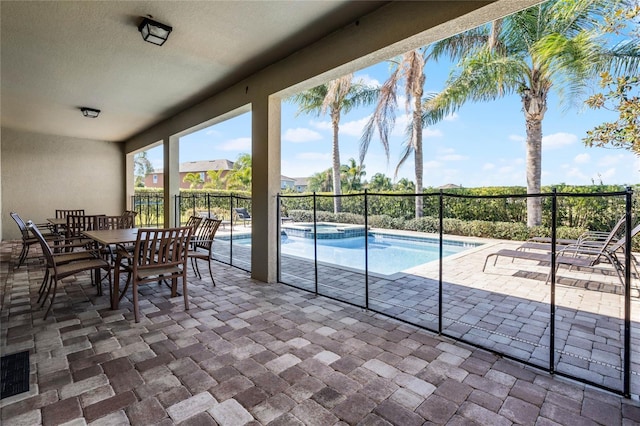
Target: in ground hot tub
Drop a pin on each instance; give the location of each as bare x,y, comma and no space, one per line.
324,230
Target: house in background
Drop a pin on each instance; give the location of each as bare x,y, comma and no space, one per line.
155,179
287,182
301,184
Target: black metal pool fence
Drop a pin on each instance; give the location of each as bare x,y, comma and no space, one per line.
559,329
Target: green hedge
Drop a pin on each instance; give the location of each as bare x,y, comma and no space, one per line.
472,228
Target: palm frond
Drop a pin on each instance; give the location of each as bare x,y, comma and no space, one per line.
460,45
383,118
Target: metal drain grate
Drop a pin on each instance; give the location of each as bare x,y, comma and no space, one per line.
14,372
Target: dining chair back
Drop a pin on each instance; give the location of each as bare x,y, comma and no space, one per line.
201,247
57,271
28,239
194,222
131,214
61,214
158,255
114,222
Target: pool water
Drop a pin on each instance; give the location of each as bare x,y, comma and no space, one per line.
387,254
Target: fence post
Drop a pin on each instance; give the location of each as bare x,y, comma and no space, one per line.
626,369
176,210
440,249
366,250
279,237
552,314
315,244
231,231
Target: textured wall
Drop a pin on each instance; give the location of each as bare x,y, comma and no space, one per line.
41,173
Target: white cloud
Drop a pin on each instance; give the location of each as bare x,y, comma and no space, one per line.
575,172
505,169
582,158
606,176
558,140
432,165
238,144
212,132
367,79
301,134
488,166
451,117
320,125
517,138
610,160
354,128
431,133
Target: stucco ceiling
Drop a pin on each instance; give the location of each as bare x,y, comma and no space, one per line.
57,56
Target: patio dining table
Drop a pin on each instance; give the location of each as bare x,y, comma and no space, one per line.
109,237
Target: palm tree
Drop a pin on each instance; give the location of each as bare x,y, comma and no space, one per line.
194,179
321,181
142,166
338,96
216,179
352,175
239,178
405,185
410,70
380,182
555,45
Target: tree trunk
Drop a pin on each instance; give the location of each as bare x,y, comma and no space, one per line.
534,171
534,105
417,144
337,190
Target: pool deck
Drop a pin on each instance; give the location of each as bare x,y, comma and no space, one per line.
253,353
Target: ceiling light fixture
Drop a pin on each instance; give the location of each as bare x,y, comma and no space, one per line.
90,112
154,32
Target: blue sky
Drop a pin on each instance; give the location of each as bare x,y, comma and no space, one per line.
483,144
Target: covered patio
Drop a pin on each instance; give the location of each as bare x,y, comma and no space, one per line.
250,350
249,353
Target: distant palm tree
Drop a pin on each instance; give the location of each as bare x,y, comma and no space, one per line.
194,180
338,96
239,178
409,69
352,175
552,45
216,180
380,182
321,181
142,167
405,185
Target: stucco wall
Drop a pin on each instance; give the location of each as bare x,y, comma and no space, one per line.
41,173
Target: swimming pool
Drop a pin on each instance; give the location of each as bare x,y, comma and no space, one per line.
388,253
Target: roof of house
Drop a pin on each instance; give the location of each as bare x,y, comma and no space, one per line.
301,181
201,166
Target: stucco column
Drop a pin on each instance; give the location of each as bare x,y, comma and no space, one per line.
129,180
171,178
265,155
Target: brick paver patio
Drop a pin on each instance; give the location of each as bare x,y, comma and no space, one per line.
253,353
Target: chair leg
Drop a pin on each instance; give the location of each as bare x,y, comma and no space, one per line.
194,266
135,302
23,255
45,279
44,299
211,273
53,297
184,291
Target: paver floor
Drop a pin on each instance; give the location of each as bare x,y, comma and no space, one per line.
253,353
